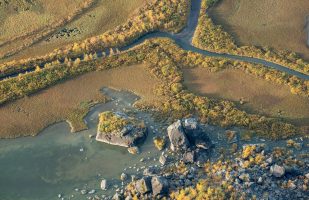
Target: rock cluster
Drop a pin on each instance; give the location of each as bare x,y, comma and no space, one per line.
157,185
187,133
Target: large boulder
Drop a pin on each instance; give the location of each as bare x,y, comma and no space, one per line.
186,133
195,133
160,185
117,128
177,137
143,185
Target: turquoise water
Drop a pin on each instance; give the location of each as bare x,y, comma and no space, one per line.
57,161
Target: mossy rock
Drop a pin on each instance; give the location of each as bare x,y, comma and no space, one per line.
119,129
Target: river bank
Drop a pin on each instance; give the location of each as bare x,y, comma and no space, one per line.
73,165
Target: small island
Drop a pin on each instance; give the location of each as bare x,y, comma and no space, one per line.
118,128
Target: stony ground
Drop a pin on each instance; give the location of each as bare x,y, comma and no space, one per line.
192,161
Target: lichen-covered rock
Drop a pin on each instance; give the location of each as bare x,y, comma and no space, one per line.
143,185
159,185
177,137
117,128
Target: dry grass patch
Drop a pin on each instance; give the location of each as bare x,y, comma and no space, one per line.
69,100
24,21
275,23
103,16
260,96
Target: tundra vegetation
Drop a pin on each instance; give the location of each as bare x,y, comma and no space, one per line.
212,37
100,16
278,24
43,18
110,122
69,100
164,60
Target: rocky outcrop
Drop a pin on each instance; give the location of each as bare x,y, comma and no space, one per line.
177,137
159,185
143,185
121,130
187,133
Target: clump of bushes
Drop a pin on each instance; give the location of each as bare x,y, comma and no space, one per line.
159,143
110,122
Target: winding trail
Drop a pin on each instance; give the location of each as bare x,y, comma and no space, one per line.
184,40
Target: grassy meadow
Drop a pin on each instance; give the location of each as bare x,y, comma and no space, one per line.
68,100
103,15
259,96
275,23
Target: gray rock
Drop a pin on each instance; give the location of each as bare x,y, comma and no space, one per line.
133,150
277,171
162,159
118,196
177,137
159,185
189,157
123,177
91,192
103,184
269,160
260,180
83,192
133,178
143,185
